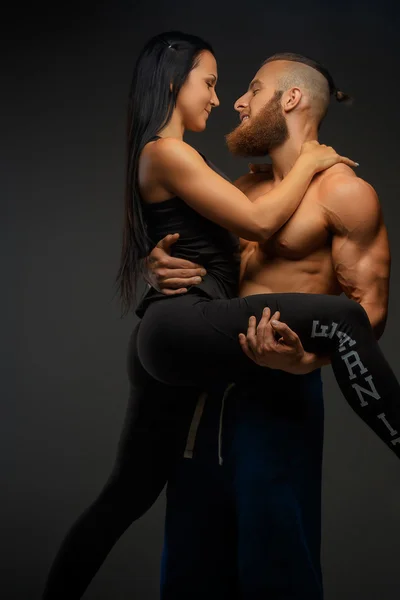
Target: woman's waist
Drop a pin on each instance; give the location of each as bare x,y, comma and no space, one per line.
194,243
211,288
210,256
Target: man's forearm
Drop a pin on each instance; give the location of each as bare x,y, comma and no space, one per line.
311,361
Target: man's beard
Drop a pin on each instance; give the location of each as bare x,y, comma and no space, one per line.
262,134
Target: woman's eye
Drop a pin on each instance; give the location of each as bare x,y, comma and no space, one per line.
255,92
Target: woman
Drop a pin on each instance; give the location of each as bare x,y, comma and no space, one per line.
173,86
158,417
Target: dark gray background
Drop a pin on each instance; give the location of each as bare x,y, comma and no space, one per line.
66,79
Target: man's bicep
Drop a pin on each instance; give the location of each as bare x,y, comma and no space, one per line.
362,265
363,273
360,247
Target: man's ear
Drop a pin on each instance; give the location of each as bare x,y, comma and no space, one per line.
291,98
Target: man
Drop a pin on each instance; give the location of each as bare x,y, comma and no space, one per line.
248,525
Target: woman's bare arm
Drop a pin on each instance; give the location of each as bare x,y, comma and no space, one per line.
182,171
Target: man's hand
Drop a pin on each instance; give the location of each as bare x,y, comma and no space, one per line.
171,275
274,345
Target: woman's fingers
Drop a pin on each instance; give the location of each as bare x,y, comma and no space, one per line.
348,161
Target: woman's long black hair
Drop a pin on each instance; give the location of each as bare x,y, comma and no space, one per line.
160,71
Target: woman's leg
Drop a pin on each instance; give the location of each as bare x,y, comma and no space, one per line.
187,339
153,437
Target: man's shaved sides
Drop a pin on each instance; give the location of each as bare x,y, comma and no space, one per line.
310,76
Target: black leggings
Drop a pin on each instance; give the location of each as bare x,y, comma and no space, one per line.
185,339
153,439
179,343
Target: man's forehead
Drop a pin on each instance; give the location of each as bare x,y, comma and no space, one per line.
267,73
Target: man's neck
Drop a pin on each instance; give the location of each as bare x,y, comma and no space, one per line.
284,157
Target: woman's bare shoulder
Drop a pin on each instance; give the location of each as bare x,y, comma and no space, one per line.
169,152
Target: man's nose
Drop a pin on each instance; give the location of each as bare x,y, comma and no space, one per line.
241,103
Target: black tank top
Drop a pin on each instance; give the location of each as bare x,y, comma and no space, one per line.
200,241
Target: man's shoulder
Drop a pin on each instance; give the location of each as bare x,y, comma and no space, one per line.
340,185
339,172
348,201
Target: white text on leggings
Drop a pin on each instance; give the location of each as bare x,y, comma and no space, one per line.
352,360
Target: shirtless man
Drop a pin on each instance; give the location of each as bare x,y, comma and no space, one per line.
248,525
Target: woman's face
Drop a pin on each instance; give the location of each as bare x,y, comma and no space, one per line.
197,96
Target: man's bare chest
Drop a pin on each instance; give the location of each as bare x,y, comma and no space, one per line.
304,234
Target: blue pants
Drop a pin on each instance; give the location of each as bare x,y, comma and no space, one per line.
243,516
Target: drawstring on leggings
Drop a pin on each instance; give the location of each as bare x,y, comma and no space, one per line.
194,425
221,416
